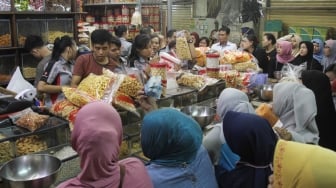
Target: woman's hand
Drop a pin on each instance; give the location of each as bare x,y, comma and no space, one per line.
283,133
270,181
147,103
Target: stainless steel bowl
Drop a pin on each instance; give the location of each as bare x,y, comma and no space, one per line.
265,92
30,171
204,115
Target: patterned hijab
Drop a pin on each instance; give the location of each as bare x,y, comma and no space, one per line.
97,136
169,137
286,53
303,165
318,56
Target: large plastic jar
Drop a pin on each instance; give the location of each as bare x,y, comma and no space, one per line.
212,65
90,19
159,69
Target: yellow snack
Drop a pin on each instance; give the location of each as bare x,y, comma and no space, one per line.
95,85
265,111
194,81
77,97
130,86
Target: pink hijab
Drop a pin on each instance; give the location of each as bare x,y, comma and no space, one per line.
97,137
286,53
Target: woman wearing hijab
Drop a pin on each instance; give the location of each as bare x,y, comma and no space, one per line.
172,141
223,158
253,139
318,49
97,137
306,56
302,165
295,106
329,52
325,119
283,56
295,41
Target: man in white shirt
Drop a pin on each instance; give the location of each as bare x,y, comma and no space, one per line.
224,44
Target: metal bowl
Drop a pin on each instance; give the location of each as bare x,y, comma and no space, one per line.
204,115
265,92
33,171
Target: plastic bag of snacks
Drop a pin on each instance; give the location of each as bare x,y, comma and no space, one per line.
130,86
191,80
125,102
95,85
182,47
66,110
231,78
232,57
77,97
31,121
245,67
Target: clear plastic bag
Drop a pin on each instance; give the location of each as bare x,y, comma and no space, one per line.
153,87
29,119
77,97
182,47
292,72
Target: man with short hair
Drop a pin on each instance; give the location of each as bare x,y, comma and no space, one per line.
105,54
268,43
35,46
224,44
171,36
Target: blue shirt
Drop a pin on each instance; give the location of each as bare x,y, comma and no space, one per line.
197,174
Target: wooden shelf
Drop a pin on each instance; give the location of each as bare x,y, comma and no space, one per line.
111,4
301,8
10,48
47,13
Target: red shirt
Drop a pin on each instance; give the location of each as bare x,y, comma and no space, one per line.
85,64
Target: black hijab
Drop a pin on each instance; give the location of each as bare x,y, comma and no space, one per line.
312,64
326,116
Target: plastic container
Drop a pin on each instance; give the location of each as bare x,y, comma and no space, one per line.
90,19
212,65
57,6
27,27
159,69
28,65
5,34
54,132
59,28
7,67
110,18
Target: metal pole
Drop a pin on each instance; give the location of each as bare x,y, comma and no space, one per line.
169,16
